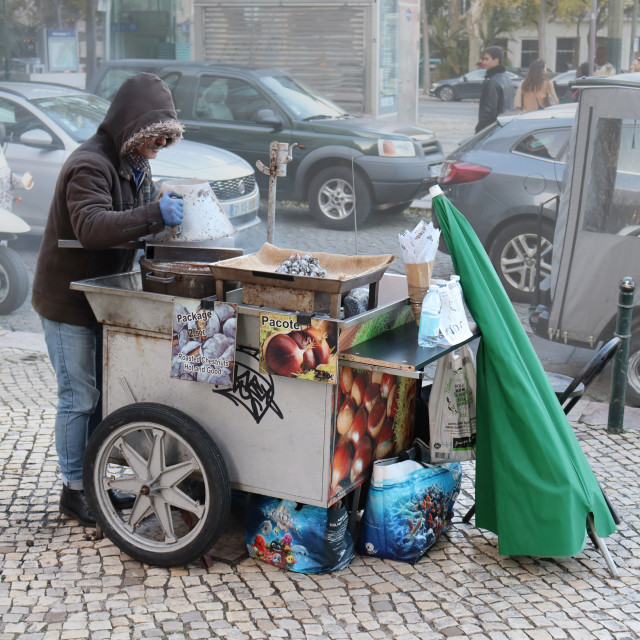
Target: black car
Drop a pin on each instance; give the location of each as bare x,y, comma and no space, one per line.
244,109
466,86
498,178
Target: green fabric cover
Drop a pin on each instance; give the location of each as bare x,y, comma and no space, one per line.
534,486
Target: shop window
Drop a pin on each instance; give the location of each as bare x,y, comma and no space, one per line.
529,53
565,54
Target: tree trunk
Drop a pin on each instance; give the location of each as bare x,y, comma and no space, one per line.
426,56
542,33
475,20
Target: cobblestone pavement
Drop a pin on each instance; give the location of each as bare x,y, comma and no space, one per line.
59,583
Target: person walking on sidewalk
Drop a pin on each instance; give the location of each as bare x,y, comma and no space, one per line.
497,89
104,197
536,91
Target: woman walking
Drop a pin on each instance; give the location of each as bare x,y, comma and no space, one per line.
536,90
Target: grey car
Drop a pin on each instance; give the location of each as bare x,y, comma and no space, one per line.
498,179
43,123
465,87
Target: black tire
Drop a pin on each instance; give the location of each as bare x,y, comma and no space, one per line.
632,393
446,93
14,281
331,198
179,478
513,254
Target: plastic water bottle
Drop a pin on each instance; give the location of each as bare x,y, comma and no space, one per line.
430,319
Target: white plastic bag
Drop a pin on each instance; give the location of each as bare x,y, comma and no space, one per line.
452,408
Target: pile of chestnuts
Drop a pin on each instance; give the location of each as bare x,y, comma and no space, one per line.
305,265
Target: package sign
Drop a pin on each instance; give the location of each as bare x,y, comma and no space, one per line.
295,350
203,348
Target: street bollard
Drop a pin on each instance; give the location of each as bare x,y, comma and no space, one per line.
621,359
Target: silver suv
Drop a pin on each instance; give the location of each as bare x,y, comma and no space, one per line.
43,123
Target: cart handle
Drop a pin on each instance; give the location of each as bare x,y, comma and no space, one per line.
163,280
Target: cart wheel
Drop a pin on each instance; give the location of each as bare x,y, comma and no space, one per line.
177,475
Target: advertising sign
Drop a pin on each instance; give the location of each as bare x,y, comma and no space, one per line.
62,49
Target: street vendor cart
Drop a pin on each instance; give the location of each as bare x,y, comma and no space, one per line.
179,434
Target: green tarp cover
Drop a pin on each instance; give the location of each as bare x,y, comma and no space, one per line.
534,486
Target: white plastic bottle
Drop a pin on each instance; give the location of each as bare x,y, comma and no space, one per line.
430,318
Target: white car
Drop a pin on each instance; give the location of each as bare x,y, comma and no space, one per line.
43,123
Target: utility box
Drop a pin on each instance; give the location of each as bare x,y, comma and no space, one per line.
363,54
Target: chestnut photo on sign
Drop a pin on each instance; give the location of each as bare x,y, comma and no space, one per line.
374,419
294,350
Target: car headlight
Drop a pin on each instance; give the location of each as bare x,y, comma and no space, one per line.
397,148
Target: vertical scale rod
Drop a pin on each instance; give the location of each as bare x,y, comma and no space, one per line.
621,359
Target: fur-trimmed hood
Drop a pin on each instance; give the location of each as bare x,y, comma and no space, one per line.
141,109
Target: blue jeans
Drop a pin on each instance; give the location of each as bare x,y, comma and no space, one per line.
76,355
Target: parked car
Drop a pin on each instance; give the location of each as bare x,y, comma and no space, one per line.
245,109
498,179
466,86
561,83
44,123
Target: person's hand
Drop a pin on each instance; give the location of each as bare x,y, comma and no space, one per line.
171,208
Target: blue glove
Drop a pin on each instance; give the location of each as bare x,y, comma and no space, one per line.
171,208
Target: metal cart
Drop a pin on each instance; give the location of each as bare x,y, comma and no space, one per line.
180,446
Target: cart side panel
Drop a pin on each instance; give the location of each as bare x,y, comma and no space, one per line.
274,432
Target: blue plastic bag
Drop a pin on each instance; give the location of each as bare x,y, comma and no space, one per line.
410,505
298,537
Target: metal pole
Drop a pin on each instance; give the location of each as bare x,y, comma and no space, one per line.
592,37
621,359
634,19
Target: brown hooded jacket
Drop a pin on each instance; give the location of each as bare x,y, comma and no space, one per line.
96,201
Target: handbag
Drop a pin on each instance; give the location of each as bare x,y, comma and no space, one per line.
452,408
409,506
551,100
298,537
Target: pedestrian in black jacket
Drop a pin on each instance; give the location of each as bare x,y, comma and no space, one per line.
497,89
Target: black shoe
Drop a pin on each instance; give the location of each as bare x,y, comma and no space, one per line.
73,503
120,499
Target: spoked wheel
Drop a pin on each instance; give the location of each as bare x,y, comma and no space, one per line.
177,475
445,93
513,254
332,199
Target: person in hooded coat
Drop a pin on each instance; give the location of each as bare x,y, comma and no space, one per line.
104,197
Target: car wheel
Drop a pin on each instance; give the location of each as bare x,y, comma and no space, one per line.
513,254
332,201
14,281
632,393
445,94
177,475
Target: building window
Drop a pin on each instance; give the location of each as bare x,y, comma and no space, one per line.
565,54
529,53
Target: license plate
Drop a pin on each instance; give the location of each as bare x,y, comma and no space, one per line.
241,208
435,169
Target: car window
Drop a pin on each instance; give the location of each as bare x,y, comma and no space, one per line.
16,120
549,144
614,178
113,78
228,99
300,101
475,75
78,115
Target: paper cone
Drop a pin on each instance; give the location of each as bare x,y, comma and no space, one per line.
418,279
